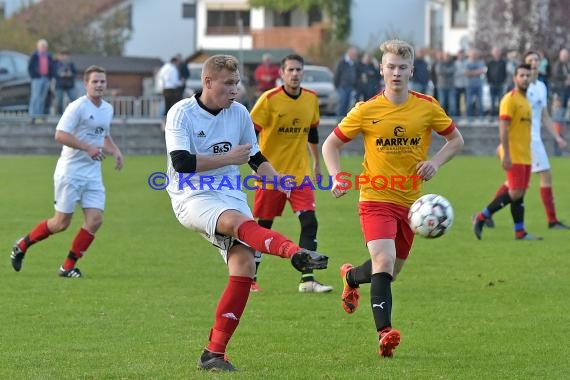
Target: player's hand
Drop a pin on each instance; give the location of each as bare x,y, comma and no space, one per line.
338,189
96,153
285,184
119,160
426,169
239,155
507,164
317,177
561,142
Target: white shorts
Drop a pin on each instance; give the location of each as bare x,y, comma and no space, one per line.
89,193
201,212
540,161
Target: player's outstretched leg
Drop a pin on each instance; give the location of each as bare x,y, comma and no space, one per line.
350,295
389,339
215,362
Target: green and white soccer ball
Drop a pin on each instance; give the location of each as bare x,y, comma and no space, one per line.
431,216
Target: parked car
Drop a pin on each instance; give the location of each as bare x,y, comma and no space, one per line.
14,81
321,80
194,84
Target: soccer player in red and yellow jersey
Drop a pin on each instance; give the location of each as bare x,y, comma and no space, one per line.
515,153
396,127
286,119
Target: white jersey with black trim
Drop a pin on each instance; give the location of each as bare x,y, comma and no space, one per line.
89,124
191,128
537,96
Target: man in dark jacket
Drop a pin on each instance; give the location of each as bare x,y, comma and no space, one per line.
345,80
41,70
497,78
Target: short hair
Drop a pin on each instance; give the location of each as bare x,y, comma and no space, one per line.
522,66
92,69
292,57
530,52
217,63
399,48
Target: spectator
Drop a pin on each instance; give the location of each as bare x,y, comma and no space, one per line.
265,74
65,73
368,74
513,61
345,80
445,72
460,81
183,74
475,69
170,81
497,78
561,77
420,79
40,68
559,119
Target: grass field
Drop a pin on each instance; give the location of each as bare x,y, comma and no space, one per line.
467,309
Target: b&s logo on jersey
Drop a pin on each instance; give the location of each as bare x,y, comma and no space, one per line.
97,131
221,147
398,143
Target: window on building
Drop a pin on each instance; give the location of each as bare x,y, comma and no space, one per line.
188,10
315,15
282,18
459,13
227,21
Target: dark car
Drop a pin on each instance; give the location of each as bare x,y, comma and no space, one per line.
14,81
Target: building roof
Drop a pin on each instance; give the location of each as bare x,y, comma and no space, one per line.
248,57
132,65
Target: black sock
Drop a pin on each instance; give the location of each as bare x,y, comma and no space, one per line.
381,299
517,211
308,238
360,274
499,202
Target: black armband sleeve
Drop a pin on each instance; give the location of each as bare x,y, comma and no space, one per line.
313,136
256,160
183,161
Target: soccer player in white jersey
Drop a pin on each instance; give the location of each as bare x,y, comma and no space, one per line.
207,137
84,132
538,98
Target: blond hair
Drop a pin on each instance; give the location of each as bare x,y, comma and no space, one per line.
399,48
217,63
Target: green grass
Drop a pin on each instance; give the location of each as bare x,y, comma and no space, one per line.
467,309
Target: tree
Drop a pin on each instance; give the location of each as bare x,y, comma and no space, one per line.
338,10
522,24
80,26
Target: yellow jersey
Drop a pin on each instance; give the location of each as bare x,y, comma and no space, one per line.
396,138
283,123
516,108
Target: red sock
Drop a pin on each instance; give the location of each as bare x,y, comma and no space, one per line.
40,232
264,240
548,201
503,189
80,244
228,313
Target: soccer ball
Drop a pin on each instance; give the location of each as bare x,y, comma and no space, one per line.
431,216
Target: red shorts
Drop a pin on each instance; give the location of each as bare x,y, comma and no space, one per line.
382,220
518,177
268,204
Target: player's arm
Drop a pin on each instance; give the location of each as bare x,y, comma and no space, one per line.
547,120
453,144
109,147
186,162
68,139
331,155
504,141
263,168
